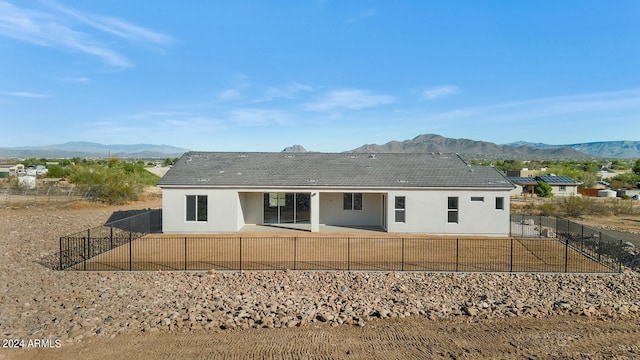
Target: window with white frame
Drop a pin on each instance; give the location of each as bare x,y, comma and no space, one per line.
196,208
452,207
352,201
400,209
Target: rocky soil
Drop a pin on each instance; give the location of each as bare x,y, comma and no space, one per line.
38,302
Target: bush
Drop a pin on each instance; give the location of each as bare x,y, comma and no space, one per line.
543,189
115,182
573,206
621,207
548,209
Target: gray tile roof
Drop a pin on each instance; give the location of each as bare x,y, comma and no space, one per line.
385,170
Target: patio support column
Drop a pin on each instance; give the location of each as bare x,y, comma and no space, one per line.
315,211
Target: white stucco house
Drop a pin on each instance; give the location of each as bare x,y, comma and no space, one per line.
213,192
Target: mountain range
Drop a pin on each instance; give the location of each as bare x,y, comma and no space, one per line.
93,150
603,149
468,149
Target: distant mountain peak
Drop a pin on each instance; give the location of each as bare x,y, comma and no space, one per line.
295,148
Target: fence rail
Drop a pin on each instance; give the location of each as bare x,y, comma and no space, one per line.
537,244
45,194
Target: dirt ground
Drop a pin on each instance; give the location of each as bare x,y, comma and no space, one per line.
559,337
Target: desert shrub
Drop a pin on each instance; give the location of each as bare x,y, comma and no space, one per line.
529,208
548,209
621,206
114,182
596,206
573,206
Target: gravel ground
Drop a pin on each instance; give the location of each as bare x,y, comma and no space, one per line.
70,307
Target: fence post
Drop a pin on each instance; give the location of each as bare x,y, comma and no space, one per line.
295,242
88,243
511,257
619,256
348,253
185,253
566,254
540,226
457,253
240,253
84,254
402,254
130,250
61,254
111,238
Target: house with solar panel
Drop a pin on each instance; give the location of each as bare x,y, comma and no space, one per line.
214,192
560,185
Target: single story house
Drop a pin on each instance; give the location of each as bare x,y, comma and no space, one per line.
212,192
560,185
524,185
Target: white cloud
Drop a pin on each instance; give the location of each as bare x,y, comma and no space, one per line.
230,95
589,107
349,99
439,91
115,26
75,79
258,117
365,14
55,29
25,94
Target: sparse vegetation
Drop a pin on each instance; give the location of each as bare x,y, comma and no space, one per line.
579,206
114,182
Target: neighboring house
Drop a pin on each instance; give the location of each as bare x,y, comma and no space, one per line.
560,185
524,185
209,192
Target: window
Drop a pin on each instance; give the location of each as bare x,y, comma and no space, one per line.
196,208
400,207
477,198
499,203
352,201
562,188
452,205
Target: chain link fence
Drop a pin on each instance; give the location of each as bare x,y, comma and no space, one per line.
45,194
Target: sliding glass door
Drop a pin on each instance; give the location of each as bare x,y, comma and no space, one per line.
287,208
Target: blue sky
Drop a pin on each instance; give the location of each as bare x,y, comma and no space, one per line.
328,75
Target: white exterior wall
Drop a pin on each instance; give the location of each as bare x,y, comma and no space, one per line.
427,211
222,213
569,190
333,213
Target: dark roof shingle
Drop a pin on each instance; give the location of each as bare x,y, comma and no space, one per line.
386,170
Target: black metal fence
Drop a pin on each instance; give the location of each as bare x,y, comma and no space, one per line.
78,248
537,244
586,240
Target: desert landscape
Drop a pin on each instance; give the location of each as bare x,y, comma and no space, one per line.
296,314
